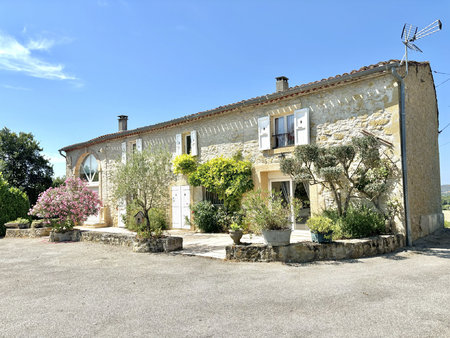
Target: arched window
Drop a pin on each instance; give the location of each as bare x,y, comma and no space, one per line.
89,169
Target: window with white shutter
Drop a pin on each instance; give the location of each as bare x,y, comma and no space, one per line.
301,122
139,145
264,133
178,144
194,146
124,152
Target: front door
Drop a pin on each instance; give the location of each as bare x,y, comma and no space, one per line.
181,199
93,219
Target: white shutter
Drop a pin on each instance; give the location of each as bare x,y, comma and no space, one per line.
124,152
264,132
139,145
178,149
301,125
194,147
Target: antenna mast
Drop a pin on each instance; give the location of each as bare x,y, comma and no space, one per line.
410,34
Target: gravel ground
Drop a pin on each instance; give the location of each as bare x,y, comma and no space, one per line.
89,289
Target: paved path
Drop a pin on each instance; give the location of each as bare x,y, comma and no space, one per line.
88,289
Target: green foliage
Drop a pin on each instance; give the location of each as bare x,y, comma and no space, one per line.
21,220
235,226
228,178
144,180
205,217
320,224
157,217
13,204
23,165
184,164
58,181
447,224
359,221
356,170
267,213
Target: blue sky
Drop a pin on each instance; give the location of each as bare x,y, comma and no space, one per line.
68,68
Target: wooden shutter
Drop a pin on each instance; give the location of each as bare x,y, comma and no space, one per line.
301,125
264,133
139,145
178,143
194,146
124,152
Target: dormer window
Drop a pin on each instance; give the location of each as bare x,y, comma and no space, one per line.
89,169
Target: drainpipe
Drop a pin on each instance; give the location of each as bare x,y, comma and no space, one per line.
403,151
60,152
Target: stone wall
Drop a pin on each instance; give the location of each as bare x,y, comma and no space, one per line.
28,233
422,124
307,251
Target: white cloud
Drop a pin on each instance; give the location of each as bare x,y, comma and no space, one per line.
17,57
54,158
42,44
7,86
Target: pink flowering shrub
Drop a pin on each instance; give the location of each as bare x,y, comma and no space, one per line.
71,203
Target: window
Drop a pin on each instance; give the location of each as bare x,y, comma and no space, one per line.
284,131
134,148
187,144
89,169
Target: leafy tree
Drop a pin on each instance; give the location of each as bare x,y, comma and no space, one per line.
229,178
72,203
184,164
58,181
23,165
145,179
13,204
354,171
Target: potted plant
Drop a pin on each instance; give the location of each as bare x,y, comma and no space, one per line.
236,233
321,228
270,216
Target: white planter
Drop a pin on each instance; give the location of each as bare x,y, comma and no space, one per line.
277,237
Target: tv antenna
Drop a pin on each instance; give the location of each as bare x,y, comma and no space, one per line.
410,34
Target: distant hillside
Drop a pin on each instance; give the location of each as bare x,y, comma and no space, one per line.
445,189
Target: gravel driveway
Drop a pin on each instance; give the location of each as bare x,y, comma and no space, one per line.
88,289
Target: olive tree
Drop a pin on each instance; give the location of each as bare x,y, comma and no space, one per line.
354,171
145,180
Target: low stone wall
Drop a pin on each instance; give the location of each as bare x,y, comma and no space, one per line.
108,238
307,251
28,233
162,244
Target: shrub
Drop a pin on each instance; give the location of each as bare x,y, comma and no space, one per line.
205,217
158,222
13,204
267,214
359,221
320,224
71,203
184,164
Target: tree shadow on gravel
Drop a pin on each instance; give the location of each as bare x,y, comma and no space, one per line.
437,244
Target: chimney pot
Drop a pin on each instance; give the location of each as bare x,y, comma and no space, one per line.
282,83
123,122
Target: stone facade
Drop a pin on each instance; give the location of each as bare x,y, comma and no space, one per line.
338,112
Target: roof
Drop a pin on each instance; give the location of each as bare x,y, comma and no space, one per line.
293,91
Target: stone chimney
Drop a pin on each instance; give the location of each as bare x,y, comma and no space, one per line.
122,122
282,83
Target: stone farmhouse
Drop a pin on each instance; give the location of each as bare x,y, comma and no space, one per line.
380,100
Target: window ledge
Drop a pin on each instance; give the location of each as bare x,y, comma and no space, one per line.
281,150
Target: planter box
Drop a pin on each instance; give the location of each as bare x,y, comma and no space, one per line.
277,237
67,236
319,237
19,225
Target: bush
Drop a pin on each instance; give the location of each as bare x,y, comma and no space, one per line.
206,217
13,204
266,214
158,222
71,203
184,164
320,224
359,221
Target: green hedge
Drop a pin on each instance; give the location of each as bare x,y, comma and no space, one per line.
13,204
